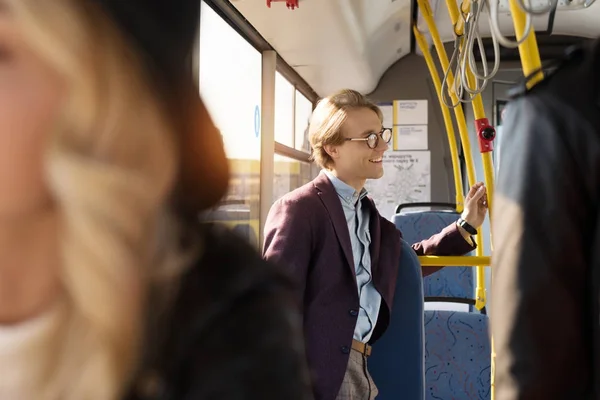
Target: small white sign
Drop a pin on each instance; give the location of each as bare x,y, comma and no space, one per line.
411,112
411,137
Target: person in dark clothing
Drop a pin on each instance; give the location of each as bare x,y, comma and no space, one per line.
230,333
109,287
546,232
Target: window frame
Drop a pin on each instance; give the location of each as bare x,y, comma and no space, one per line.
269,147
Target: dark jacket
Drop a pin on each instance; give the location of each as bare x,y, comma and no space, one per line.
232,331
306,233
546,231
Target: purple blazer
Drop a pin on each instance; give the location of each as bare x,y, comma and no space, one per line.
306,233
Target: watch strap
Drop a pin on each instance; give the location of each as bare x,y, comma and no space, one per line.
466,226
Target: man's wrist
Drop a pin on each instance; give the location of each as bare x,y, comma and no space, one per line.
466,226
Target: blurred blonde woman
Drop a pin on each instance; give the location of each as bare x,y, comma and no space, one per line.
108,288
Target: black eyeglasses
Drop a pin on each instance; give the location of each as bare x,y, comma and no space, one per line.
373,139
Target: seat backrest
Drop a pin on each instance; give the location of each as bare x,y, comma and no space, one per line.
454,282
457,355
397,363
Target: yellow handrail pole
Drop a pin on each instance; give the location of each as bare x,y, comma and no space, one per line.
458,23
463,130
528,50
478,109
488,171
428,16
486,157
479,114
454,261
447,118
458,111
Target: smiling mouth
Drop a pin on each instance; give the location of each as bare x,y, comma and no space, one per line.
376,160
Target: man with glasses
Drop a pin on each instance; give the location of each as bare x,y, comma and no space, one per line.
343,255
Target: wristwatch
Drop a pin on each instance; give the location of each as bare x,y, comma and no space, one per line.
466,226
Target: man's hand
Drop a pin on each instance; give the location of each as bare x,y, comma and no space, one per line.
475,205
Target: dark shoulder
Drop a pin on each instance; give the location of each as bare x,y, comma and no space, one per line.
229,267
570,87
233,327
305,195
388,227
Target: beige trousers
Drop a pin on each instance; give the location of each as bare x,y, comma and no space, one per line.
357,384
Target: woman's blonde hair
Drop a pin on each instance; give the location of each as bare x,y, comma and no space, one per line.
325,127
111,162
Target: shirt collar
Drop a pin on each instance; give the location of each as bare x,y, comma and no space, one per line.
344,190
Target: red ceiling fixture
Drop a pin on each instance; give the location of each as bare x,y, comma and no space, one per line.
291,4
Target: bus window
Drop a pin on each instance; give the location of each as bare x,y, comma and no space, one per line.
233,97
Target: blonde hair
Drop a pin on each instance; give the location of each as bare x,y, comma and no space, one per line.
111,162
326,122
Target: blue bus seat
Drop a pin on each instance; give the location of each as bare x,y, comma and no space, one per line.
457,355
457,345
397,362
454,282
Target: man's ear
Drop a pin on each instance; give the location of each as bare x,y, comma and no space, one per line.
332,150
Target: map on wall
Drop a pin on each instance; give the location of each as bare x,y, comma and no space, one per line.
406,179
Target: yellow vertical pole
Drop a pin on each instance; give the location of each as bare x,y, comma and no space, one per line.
394,125
478,109
458,111
422,43
479,114
528,50
463,130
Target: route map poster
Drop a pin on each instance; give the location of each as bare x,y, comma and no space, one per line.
406,179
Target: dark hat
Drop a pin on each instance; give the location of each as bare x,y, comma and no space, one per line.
164,33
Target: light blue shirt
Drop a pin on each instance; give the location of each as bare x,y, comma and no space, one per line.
357,218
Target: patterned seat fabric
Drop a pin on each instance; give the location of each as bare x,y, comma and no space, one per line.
457,345
454,282
457,356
